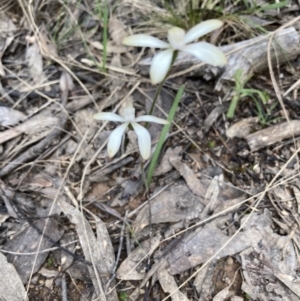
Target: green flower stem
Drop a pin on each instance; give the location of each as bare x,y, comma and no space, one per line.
163,135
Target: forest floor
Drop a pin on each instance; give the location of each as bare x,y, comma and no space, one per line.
220,218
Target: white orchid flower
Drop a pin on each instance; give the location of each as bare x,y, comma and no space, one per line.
127,116
179,40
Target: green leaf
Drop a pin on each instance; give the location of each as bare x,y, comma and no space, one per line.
274,5
163,135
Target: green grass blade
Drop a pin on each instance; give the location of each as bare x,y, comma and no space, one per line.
163,135
274,5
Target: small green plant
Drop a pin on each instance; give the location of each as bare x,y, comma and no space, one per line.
212,144
265,116
123,296
50,262
241,92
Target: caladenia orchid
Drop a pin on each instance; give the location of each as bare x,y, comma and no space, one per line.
179,40
127,117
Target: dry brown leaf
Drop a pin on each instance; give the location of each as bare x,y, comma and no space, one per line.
9,117
110,47
195,185
48,46
199,246
174,204
31,126
116,30
272,256
98,250
27,241
11,286
7,27
165,165
34,62
170,286
130,268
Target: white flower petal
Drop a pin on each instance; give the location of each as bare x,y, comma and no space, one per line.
176,38
160,66
207,53
144,40
150,118
144,140
115,139
201,29
108,117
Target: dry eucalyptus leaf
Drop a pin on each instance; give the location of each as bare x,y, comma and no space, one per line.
272,256
66,82
199,246
170,286
27,241
48,46
98,250
11,286
31,126
174,204
213,116
195,185
130,268
85,123
222,295
165,165
7,27
116,30
9,117
34,62
110,47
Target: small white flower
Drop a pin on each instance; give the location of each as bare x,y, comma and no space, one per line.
180,40
127,116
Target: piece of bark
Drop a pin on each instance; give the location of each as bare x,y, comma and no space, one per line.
273,134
